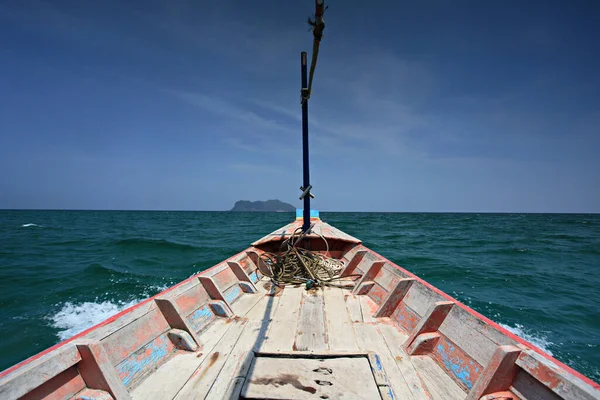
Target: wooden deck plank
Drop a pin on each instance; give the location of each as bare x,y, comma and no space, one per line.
245,303
311,334
438,383
369,339
170,378
240,358
339,325
394,340
368,308
202,380
198,386
353,306
282,332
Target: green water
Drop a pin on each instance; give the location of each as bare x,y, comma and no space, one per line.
63,271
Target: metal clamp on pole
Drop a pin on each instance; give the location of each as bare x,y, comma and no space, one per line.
306,192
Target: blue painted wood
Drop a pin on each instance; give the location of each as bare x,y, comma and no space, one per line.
232,294
201,317
145,359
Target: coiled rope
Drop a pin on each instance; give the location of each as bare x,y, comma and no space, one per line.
295,265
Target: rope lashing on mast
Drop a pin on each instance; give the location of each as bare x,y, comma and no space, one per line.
295,265
318,25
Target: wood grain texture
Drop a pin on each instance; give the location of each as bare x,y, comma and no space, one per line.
419,298
251,340
394,339
439,385
472,335
339,325
370,339
353,306
168,380
282,332
311,334
122,343
23,380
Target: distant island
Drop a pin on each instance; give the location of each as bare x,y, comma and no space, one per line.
263,206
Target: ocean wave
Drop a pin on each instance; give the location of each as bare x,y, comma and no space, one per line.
28,225
155,244
537,339
74,318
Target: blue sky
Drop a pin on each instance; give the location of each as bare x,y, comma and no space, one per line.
417,106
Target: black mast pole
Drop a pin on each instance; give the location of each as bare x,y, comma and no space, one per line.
306,175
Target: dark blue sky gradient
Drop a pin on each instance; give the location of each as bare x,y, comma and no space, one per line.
417,106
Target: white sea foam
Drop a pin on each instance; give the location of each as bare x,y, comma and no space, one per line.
28,225
158,288
537,339
77,317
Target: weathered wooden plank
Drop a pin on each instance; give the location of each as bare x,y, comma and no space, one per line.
282,332
527,387
394,339
62,386
139,364
122,343
369,308
370,339
339,325
472,335
170,378
239,272
311,333
213,290
555,378
245,303
175,317
439,384
251,339
394,297
455,361
353,306
200,318
202,379
128,317
193,298
233,293
225,279
431,321
198,386
97,371
406,317
498,374
377,293
353,263
386,278
32,375
310,378
419,298
370,273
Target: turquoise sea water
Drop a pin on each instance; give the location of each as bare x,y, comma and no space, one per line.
536,274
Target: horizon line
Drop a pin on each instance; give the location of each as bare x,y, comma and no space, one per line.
292,212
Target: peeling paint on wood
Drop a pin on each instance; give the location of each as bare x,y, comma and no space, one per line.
144,360
201,318
457,363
